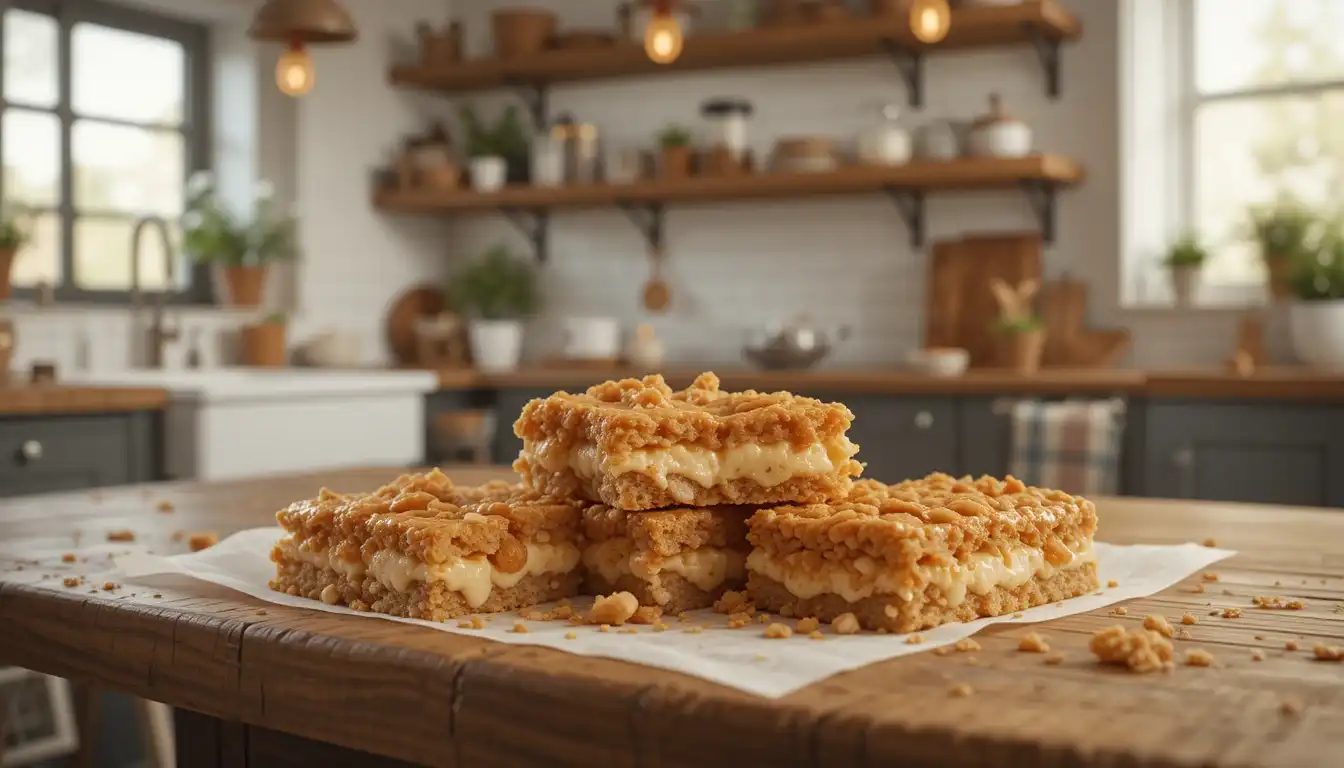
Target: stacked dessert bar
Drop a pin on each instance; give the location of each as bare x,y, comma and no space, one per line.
679,496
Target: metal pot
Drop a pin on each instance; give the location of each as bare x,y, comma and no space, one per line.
797,344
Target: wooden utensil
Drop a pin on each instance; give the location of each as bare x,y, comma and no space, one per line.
417,302
657,293
961,309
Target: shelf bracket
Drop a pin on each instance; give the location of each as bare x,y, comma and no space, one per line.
648,219
910,204
1047,50
1041,197
534,96
535,226
911,66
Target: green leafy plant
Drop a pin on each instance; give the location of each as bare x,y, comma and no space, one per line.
1285,228
1186,252
505,138
211,233
14,233
497,286
674,136
1018,324
275,318
1318,271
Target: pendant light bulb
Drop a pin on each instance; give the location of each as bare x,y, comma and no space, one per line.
294,72
930,20
663,38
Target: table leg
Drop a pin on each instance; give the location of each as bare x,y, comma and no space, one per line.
88,718
208,742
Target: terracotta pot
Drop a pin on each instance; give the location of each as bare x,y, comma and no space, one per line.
522,31
1022,350
246,285
676,162
1280,277
6,266
263,345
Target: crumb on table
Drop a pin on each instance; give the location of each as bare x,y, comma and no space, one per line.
1231,613
121,534
807,624
1142,650
1189,618
1054,659
966,645
1158,624
1119,610
202,540
616,608
1289,707
68,557
961,690
108,586
1033,642
1276,602
1210,542
1210,576
1325,652
778,631
1257,655
71,581
1290,645
164,506
1112,583
1198,657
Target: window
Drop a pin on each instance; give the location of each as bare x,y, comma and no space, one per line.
1230,105
104,116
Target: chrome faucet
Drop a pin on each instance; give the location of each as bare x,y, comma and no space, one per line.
158,333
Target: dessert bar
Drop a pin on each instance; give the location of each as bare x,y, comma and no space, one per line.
637,444
674,559
922,553
424,548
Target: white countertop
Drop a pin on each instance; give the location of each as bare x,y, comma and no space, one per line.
216,385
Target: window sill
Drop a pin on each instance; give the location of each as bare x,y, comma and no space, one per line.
30,308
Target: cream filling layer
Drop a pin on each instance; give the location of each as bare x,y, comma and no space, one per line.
766,465
707,567
472,577
865,577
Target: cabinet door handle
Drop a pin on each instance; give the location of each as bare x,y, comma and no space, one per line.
923,420
30,451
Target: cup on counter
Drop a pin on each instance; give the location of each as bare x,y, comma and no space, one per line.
592,338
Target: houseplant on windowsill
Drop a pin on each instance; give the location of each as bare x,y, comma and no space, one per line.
499,153
1185,260
675,159
1316,314
13,236
497,292
1283,230
1020,330
242,249
263,343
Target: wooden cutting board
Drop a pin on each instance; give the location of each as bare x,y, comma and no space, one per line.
961,311
1069,343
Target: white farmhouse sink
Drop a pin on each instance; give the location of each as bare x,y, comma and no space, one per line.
229,423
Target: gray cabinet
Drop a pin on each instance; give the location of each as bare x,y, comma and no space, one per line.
903,437
69,453
985,435
1273,453
508,404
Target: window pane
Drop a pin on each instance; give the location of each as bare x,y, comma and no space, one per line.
30,59
32,152
1255,43
1248,152
126,169
103,256
40,259
125,75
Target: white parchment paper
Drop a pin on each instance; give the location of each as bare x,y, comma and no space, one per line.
741,658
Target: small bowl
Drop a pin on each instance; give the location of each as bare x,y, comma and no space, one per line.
941,362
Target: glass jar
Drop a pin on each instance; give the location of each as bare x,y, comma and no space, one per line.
726,119
886,142
548,160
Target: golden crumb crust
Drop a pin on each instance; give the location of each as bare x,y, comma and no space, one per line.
666,532
935,520
428,517
632,414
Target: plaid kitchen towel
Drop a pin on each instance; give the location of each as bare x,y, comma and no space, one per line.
1073,445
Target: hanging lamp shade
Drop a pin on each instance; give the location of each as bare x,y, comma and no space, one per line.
303,21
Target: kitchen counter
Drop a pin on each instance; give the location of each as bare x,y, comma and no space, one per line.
1273,383
282,685
19,399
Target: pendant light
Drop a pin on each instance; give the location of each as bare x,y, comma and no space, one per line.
930,20
298,24
663,37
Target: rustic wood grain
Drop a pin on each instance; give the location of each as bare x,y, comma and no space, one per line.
442,699
1301,384
48,399
972,27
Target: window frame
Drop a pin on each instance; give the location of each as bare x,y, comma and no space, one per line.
196,130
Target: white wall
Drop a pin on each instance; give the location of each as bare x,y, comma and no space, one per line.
842,260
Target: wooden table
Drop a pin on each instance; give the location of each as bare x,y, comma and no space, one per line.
264,685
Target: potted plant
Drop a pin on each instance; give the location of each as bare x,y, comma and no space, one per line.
242,249
13,236
675,143
496,292
1283,230
1316,314
1185,259
499,153
263,343
1020,330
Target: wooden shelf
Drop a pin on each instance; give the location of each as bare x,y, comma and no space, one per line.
1041,23
1039,176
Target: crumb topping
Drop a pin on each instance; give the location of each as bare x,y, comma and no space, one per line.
634,414
1142,650
667,532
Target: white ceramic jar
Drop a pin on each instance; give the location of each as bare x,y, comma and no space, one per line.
592,338
886,142
726,119
489,173
1317,329
998,134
